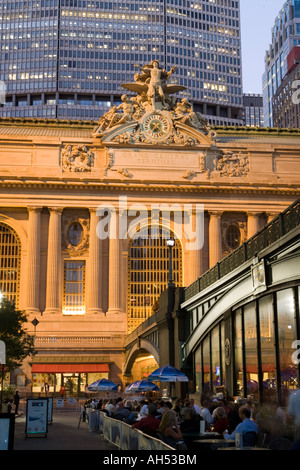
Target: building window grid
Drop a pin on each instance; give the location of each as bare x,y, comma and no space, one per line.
74,287
10,261
148,268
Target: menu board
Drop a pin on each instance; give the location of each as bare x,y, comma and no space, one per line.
7,423
37,416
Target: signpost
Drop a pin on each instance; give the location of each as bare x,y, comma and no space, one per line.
36,417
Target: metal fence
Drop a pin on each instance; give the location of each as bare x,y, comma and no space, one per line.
123,436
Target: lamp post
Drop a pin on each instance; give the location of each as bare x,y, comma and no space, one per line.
170,244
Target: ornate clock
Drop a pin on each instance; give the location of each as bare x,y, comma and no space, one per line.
156,126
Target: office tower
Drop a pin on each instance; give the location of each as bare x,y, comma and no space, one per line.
253,110
66,59
285,36
286,101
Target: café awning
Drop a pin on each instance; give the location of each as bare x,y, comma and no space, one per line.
68,368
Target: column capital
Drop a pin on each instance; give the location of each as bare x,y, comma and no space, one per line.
253,214
215,214
58,210
36,209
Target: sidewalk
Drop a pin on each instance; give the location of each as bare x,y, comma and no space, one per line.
63,434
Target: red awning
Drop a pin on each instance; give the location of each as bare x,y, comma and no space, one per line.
67,368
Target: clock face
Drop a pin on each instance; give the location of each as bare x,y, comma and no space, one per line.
156,127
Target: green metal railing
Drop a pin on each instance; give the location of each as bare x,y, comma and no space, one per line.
284,223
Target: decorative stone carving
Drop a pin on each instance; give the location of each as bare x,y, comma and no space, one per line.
154,117
233,165
125,173
77,158
83,244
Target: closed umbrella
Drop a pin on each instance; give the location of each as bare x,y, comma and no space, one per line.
168,374
102,385
141,386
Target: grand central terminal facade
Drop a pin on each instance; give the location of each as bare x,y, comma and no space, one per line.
86,210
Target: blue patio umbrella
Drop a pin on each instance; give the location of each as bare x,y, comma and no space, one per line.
141,386
168,374
102,385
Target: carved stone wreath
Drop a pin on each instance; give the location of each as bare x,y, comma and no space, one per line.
233,165
77,158
82,246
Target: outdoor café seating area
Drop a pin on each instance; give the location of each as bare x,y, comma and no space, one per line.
139,420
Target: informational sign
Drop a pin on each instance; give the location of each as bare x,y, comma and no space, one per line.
7,426
60,403
50,410
72,401
37,416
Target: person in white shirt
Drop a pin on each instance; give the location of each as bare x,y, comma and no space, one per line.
144,409
206,414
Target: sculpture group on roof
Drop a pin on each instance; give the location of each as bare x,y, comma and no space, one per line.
153,94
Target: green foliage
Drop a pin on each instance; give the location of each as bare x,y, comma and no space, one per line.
19,344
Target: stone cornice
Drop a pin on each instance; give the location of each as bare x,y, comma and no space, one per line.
160,186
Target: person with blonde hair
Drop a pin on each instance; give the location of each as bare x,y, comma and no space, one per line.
221,423
169,428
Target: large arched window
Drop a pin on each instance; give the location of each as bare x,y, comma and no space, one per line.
10,260
148,270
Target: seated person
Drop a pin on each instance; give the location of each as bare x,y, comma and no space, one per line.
121,412
169,428
190,421
149,424
221,423
247,425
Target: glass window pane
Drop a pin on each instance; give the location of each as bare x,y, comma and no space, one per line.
215,355
286,336
198,369
206,365
238,351
251,350
267,340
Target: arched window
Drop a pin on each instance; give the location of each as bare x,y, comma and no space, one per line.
233,237
10,260
148,270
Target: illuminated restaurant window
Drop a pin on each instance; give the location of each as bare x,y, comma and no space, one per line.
238,351
10,259
267,347
251,350
286,336
74,288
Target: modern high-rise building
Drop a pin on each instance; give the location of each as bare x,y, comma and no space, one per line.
285,36
253,110
286,101
66,59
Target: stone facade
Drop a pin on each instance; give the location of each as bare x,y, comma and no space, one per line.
54,175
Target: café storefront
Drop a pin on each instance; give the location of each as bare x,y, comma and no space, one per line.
245,326
73,377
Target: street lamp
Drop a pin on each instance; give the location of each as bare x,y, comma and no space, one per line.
170,244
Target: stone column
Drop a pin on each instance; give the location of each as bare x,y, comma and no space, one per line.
215,238
193,256
114,283
252,223
271,216
33,271
94,287
54,261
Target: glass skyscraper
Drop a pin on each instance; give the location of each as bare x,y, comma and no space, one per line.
285,36
66,59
